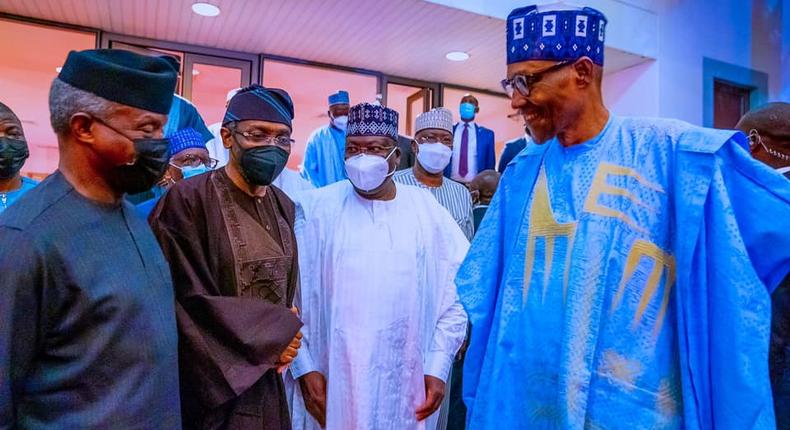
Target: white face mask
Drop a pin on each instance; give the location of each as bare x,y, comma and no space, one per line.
340,122
368,172
434,157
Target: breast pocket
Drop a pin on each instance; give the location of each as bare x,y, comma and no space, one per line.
266,279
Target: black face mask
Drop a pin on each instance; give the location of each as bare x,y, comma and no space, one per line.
153,156
262,164
13,153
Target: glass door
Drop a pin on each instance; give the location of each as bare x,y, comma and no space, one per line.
409,101
208,79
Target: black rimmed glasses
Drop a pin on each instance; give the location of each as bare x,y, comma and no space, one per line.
523,83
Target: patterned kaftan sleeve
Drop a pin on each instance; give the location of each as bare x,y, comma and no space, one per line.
451,324
741,252
478,281
306,300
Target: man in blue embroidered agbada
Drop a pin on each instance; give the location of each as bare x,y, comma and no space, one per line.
620,278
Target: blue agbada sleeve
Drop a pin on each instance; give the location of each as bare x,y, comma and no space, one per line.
478,281
736,245
760,200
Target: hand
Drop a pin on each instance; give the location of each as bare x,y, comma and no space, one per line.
291,350
434,394
313,386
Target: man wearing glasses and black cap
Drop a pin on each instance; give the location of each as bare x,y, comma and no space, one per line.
228,235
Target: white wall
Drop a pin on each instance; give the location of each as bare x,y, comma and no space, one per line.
633,91
741,32
753,34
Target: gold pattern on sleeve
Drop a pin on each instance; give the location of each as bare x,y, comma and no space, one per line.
543,225
601,187
662,263
619,369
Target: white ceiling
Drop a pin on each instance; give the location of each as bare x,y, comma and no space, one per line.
407,38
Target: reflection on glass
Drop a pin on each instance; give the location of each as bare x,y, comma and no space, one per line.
409,102
309,87
31,53
210,86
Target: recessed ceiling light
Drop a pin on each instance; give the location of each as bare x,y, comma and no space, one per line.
195,72
205,9
58,69
457,56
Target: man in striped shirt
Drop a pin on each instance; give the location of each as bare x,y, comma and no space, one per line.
433,146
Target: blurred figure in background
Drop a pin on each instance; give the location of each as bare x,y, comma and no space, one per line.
323,156
768,128
483,187
473,144
188,157
13,154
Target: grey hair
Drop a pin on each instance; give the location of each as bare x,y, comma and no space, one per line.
66,100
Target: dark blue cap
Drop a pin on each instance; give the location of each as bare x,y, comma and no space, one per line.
260,103
123,77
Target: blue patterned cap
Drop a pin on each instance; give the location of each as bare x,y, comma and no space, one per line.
184,139
565,33
339,98
366,119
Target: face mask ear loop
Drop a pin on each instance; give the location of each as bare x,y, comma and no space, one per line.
387,159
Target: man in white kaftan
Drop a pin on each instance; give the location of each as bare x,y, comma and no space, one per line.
382,317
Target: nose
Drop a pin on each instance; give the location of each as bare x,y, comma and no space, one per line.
517,101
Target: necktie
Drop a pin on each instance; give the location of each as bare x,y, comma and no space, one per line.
463,163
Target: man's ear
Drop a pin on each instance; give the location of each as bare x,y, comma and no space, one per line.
81,127
584,69
415,148
226,135
397,157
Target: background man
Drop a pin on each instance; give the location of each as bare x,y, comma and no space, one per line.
13,153
768,128
433,146
323,157
188,157
483,187
473,144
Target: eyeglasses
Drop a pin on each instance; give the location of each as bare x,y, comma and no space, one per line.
523,83
193,161
263,138
755,139
429,139
382,151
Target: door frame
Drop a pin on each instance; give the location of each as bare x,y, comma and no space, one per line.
190,60
106,39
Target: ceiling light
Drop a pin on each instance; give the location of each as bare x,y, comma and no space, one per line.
457,56
205,9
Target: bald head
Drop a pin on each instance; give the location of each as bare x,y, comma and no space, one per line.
768,128
486,183
772,118
7,113
10,125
